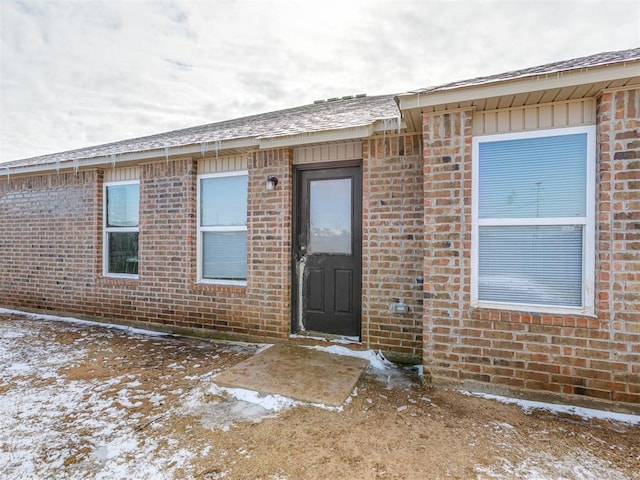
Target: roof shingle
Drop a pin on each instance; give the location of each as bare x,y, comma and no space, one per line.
597,60
319,116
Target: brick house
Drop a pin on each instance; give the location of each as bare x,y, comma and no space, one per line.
490,228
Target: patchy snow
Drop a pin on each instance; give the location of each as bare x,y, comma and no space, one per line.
31,411
54,426
384,370
586,413
545,466
270,403
376,360
56,318
345,340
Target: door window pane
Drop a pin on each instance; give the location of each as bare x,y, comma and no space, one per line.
223,201
123,252
330,216
122,205
540,265
224,255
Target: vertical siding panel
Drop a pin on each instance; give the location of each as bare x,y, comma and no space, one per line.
350,150
227,163
545,117
517,120
575,113
328,153
478,123
531,118
504,121
122,174
490,122
589,111
560,115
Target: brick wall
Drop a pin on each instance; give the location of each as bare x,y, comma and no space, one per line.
618,293
566,354
269,229
392,244
47,241
447,238
51,248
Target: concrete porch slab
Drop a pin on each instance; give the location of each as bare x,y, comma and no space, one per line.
299,373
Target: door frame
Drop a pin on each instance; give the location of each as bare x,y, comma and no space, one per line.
295,223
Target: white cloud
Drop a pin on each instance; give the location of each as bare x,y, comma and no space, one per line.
77,73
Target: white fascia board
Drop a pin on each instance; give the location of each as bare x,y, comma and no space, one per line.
323,136
519,85
106,160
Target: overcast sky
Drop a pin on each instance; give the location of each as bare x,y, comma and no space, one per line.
81,73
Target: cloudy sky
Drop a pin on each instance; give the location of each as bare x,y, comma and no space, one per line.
81,73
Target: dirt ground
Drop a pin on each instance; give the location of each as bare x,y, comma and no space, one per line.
86,401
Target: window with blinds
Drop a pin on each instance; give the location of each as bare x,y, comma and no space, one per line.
533,219
222,228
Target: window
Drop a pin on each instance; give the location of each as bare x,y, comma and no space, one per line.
533,220
222,228
121,229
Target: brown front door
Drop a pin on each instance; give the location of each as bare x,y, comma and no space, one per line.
327,250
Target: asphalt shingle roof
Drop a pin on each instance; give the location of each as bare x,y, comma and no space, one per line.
347,112
597,60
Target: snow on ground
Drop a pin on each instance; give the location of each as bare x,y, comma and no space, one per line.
538,465
56,318
32,413
56,427
385,371
269,403
544,466
586,413
541,464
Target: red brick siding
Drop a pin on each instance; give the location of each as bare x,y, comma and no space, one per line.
618,295
447,238
47,252
392,244
51,239
569,354
269,289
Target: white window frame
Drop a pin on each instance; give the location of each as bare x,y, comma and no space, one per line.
202,230
588,222
106,230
